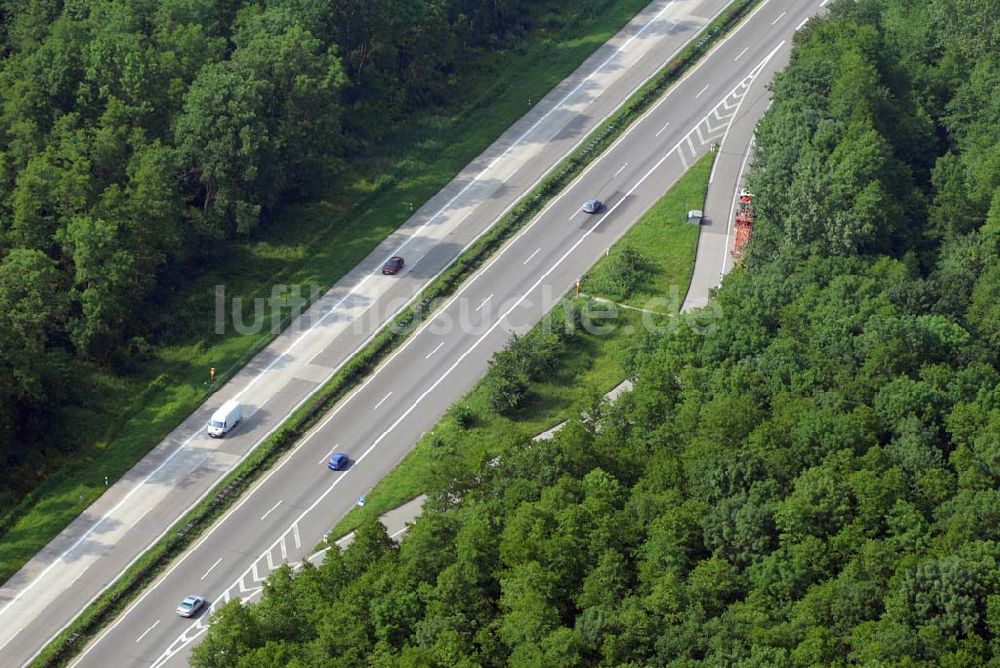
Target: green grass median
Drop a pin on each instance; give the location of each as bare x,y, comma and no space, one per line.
472,432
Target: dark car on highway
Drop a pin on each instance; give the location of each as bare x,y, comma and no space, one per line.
392,265
338,462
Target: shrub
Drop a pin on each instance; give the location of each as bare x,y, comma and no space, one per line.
622,274
464,416
506,381
524,360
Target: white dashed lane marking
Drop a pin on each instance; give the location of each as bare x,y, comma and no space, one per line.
273,508
147,630
210,568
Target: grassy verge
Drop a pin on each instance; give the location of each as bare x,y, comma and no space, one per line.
591,366
121,418
113,600
666,243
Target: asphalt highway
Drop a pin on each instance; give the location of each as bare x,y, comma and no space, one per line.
86,557
295,504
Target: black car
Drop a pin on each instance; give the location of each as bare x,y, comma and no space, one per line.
392,265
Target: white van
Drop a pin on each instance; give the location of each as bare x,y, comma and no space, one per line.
224,419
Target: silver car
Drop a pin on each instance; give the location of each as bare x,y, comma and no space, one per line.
592,206
190,606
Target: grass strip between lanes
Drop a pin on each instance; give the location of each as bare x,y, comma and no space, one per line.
153,562
666,244
472,433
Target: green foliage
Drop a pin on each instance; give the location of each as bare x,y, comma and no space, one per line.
136,137
621,275
811,482
525,359
464,416
32,299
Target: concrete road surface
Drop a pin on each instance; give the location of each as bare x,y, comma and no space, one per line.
712,259
395,521
51,589
299,500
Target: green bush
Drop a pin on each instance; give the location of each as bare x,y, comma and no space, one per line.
622,274
525,360
464,416
507,380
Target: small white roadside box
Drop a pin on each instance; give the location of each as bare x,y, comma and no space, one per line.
224,419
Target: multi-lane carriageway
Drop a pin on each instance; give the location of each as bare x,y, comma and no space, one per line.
87,556
291,508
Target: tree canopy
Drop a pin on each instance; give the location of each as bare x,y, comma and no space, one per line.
811,481
136,135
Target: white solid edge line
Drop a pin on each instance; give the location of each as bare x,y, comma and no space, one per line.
673,87
351,293
732,210
739,178
559,104
170,652
468,282
447,205
732,119
166,530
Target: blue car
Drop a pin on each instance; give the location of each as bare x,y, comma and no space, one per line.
338,462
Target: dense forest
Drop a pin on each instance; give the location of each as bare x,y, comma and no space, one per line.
138,135
812,482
